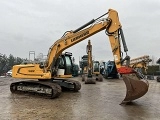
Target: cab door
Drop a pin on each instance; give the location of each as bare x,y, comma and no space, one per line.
68,65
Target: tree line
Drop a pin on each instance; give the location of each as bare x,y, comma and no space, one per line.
6,63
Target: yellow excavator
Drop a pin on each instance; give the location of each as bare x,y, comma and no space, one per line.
140,63
96,67
91,73
55,72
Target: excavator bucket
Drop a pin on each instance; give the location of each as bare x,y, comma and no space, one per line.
136,87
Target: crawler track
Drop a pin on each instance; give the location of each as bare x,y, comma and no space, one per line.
45,89
68,84
77,85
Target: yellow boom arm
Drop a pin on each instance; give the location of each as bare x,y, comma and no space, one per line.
111,24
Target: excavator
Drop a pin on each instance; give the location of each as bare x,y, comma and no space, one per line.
140,63
96,67
90,79
83,64
54,74
97,70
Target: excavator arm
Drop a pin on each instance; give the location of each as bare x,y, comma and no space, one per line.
71,38
111,24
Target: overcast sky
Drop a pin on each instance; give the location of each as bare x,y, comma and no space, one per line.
34,25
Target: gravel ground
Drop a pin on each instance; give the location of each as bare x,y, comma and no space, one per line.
98,101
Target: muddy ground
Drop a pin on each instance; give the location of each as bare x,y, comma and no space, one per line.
98,101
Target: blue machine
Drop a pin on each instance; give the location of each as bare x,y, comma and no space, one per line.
109,70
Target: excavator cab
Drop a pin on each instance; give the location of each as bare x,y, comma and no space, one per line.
96,67
64,64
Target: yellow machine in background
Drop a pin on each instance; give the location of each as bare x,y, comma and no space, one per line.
96,69
92,67
83,64
53,74
140,63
